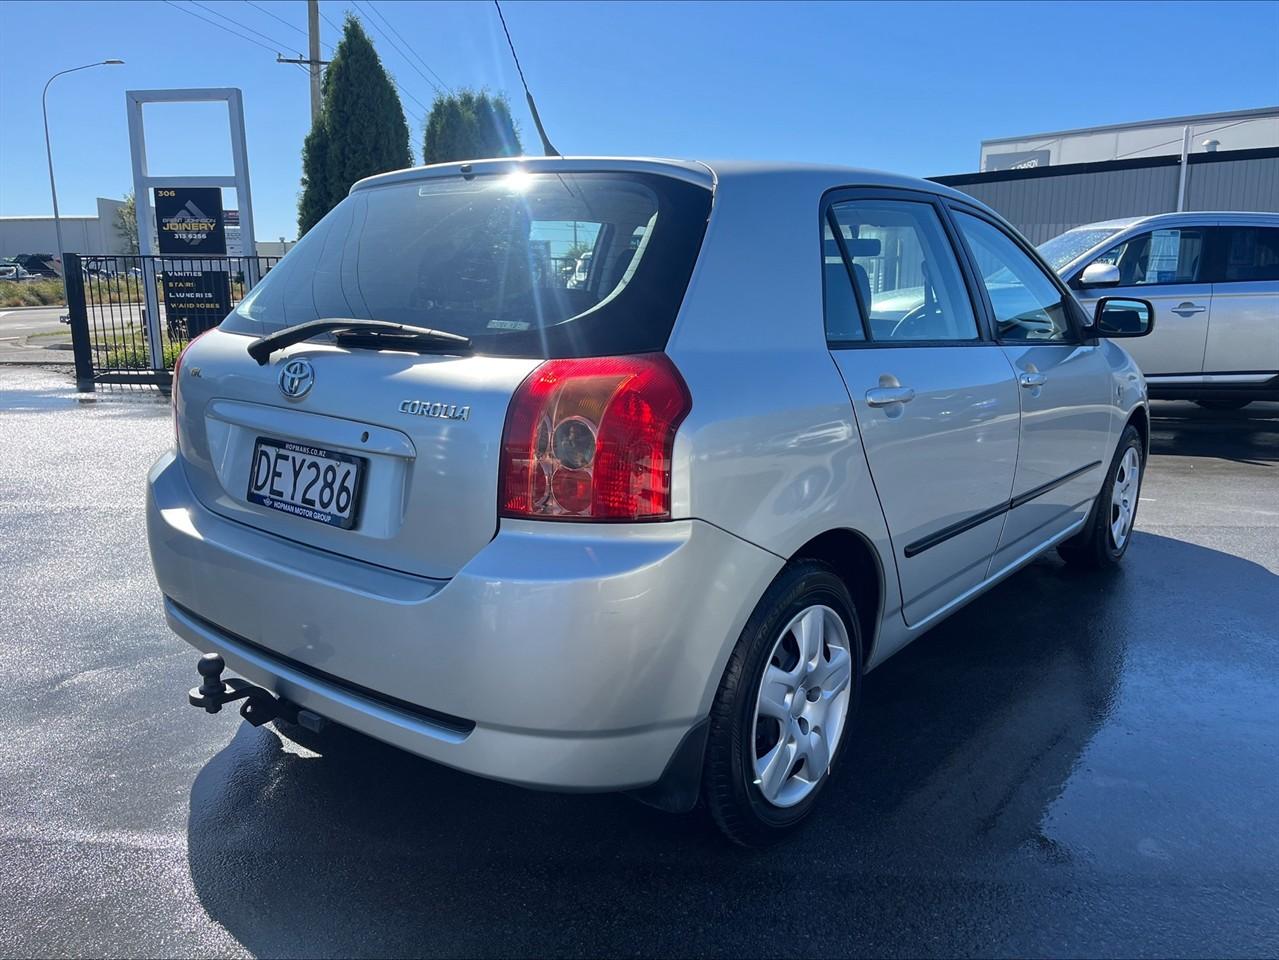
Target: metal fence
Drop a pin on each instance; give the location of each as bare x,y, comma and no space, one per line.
115,336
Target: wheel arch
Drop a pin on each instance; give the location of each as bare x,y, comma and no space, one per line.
1140,418
856,562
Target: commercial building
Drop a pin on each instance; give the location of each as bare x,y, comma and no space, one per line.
1049,182
99,235
80,234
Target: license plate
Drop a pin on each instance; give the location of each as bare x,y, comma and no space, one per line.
305,481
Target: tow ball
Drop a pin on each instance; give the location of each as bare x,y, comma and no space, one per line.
260,704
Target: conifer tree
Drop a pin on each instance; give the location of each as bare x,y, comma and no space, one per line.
470,125
360,130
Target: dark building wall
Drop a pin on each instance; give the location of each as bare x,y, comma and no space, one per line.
1045,201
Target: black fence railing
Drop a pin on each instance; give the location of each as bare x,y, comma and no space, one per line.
110,300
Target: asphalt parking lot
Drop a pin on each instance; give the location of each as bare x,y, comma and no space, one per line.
1073,765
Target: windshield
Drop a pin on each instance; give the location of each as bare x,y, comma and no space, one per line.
1062,249
533,265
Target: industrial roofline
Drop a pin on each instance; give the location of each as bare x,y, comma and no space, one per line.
49,216
1257,113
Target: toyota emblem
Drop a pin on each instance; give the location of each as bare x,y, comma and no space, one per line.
296,379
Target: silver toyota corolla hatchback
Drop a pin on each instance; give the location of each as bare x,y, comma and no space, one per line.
594,475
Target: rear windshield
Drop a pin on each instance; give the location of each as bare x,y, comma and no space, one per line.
525,264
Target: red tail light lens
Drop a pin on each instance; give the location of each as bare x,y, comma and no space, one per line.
591,439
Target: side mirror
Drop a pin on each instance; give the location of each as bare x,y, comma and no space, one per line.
1099,275
1117,317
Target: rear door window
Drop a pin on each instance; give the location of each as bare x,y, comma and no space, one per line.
1251,254
525,264
905,271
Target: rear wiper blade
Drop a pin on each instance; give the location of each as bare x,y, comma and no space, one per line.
369,331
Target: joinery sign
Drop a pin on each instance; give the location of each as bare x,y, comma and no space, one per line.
190,221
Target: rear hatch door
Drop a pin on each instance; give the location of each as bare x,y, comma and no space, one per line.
413,437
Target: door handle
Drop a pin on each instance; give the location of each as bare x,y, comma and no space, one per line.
1029,380
887,396
1188,309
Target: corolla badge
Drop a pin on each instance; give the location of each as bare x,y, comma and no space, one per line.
296,378
436,410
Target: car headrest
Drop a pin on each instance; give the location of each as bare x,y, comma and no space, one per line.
856,247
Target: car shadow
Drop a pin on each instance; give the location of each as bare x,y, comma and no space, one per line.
963,742
1183,429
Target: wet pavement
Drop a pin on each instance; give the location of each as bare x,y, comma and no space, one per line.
1073,765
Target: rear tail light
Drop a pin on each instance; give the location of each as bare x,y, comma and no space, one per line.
591,439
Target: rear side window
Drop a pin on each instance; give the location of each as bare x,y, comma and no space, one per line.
526,264
905,270
1174,255
1252,253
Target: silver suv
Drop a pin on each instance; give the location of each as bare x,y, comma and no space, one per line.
646,533
1214,281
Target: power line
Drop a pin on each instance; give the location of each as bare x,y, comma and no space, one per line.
275,17
220,27
403,92
242,26
290,26
381,16
336,28
420,104
389,39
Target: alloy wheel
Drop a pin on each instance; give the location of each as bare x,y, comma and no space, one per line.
1123,497
802,705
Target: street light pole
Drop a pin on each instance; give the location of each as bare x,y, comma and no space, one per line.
48,149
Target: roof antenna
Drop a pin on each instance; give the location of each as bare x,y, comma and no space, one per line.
549,150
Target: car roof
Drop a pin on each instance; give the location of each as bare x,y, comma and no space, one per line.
1184,217
707,173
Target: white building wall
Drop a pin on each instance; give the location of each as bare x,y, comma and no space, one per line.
80,234
1241,130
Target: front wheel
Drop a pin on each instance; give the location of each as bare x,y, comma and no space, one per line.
1108,531
783,707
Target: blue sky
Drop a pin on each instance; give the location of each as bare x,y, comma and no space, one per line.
912,88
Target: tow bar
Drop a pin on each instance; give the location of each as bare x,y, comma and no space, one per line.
260,704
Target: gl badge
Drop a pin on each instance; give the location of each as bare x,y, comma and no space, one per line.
296,378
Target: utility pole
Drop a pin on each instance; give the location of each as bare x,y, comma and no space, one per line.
313,63
313,36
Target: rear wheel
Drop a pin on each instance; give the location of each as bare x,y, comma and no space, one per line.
1223,404
1105,537
781,714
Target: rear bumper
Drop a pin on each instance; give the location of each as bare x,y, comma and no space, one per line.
571,657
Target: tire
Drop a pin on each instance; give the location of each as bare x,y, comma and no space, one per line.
1095,546
807,603
1223,404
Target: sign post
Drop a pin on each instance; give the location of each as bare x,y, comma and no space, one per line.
144,183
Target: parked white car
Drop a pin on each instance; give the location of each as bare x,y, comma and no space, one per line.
1214,281
12,270
647,535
